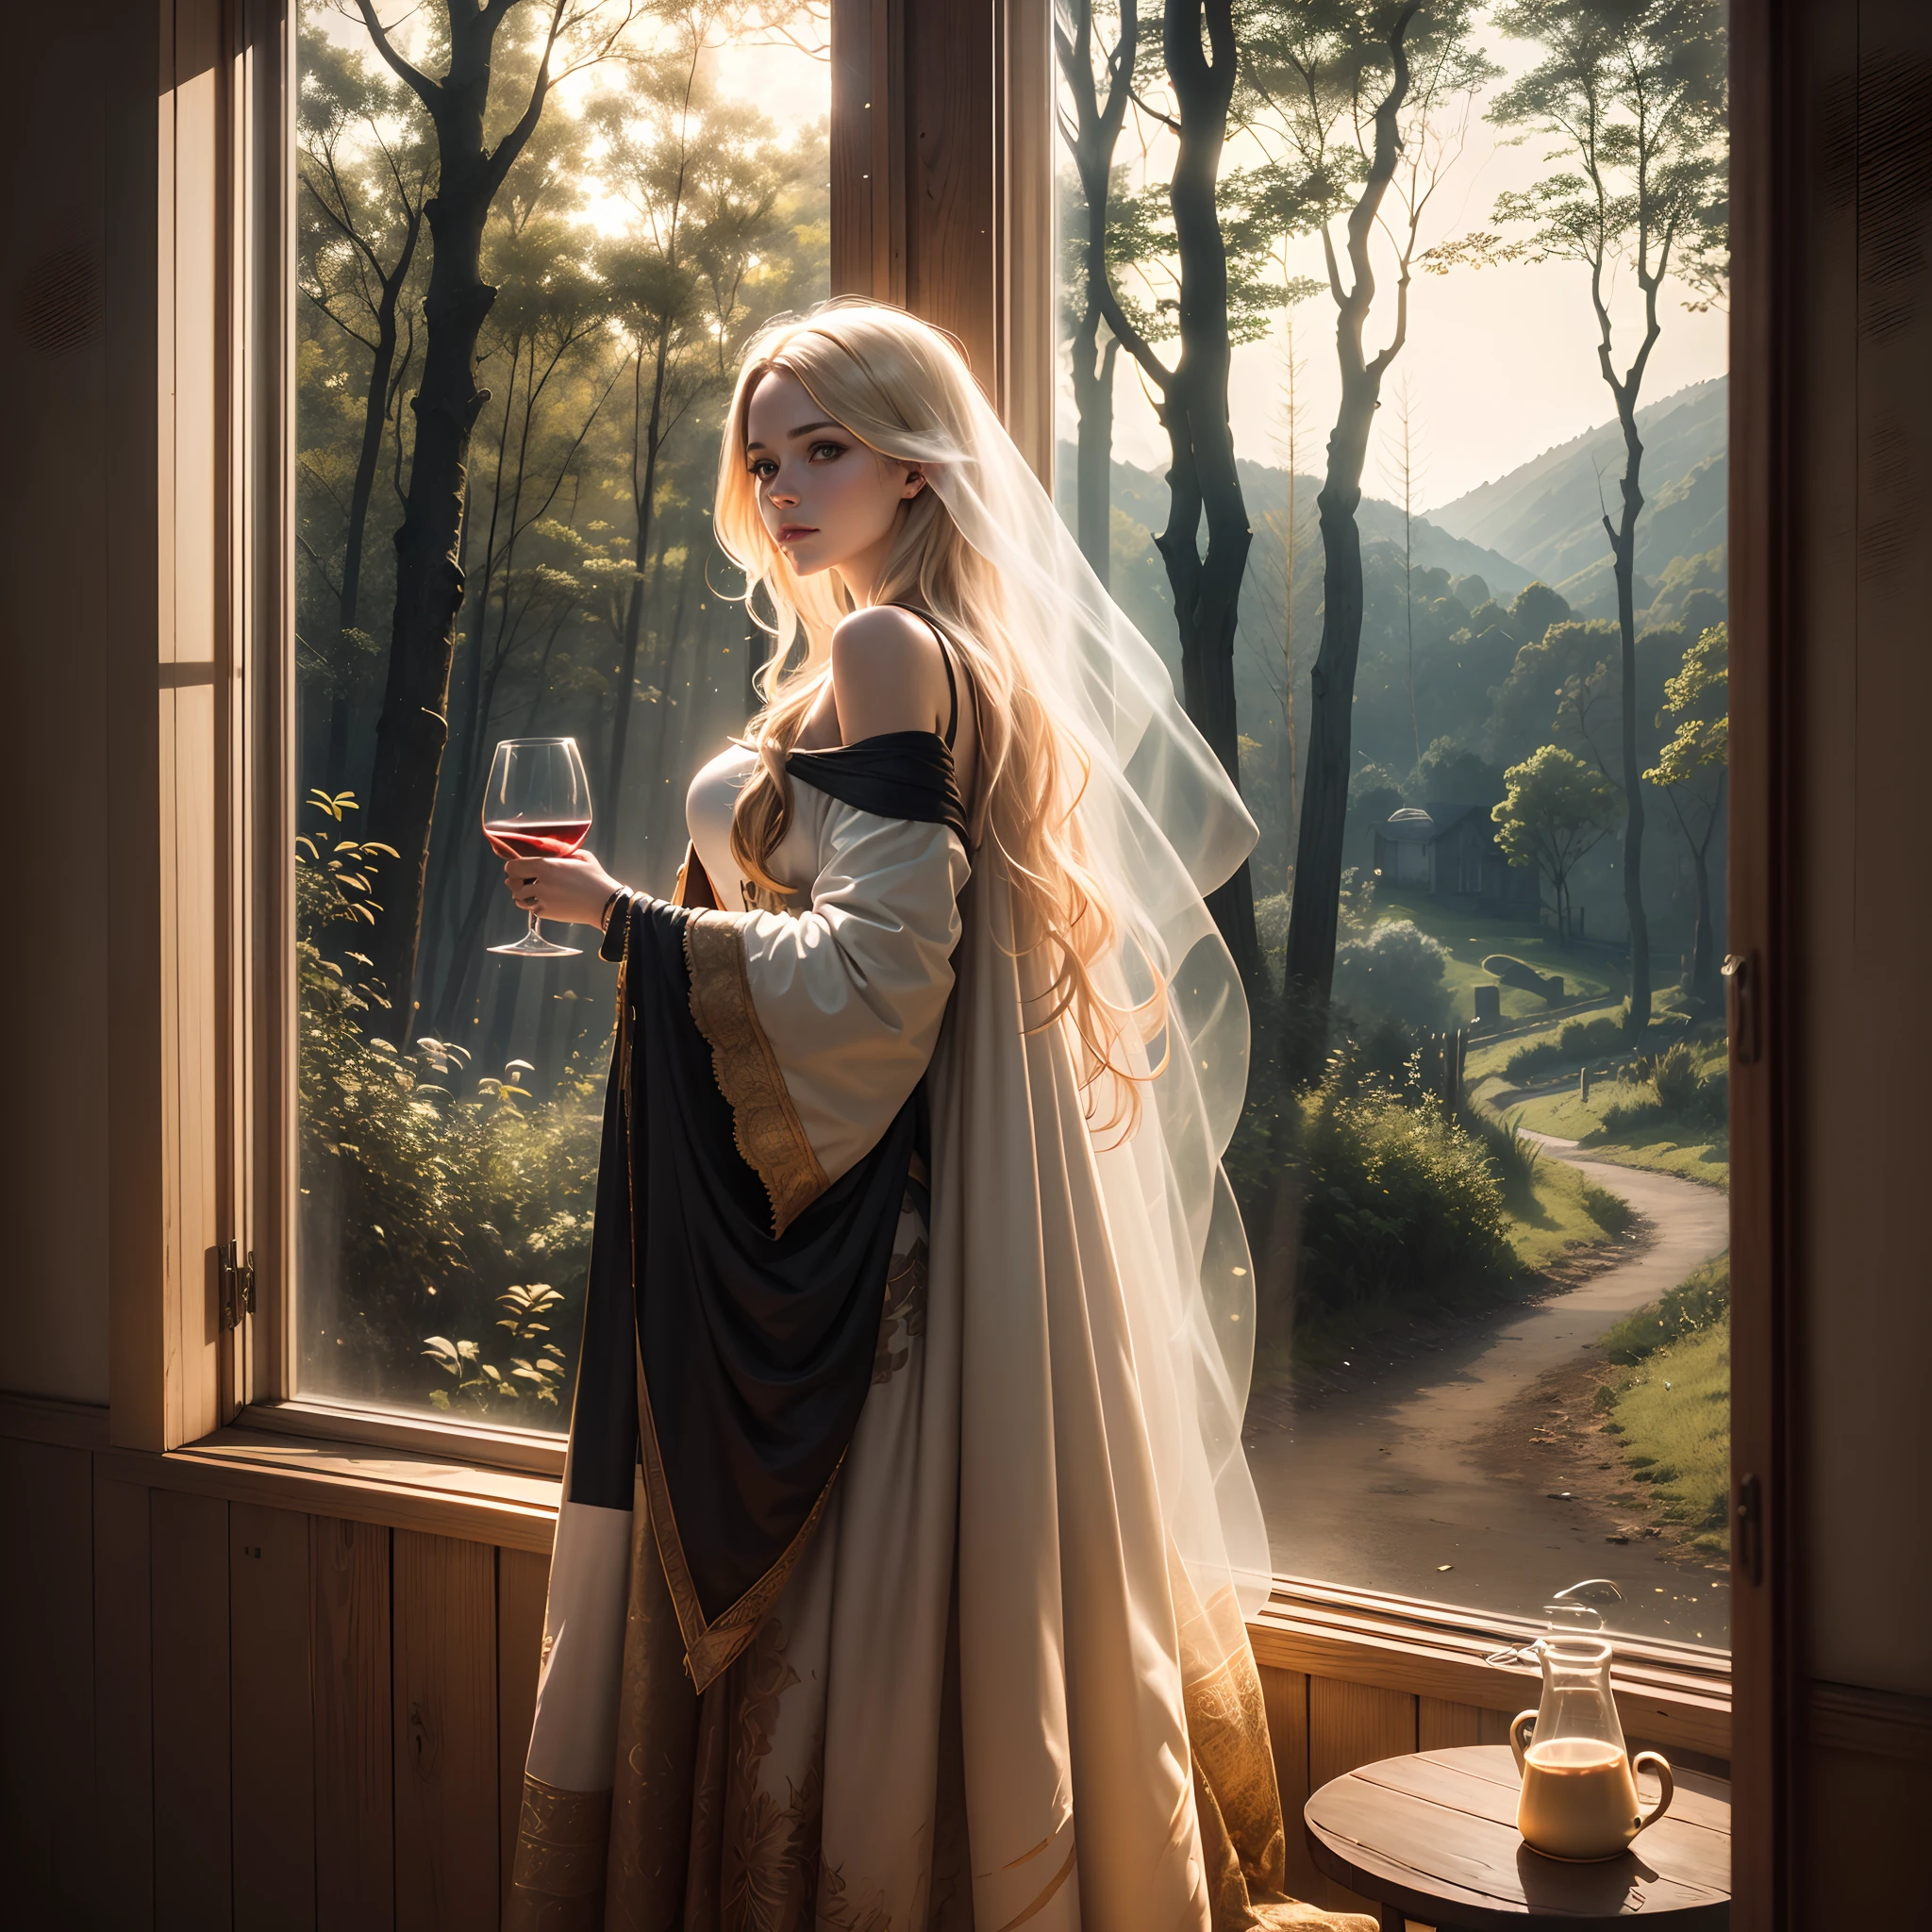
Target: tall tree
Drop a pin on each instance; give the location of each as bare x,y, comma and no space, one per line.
1632,92
1691,772
703,176
1353,95
1555,813
1218,248
362,169
412,728
1093,106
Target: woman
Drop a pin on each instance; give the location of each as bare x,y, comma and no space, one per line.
899,1577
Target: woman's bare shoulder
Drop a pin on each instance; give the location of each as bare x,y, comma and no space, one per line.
888,674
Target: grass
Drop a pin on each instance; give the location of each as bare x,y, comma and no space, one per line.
1589,972
1562,1221
1695,1154
1667,1146
1676,1420
1670,1414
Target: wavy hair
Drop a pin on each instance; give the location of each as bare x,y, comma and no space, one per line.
903,389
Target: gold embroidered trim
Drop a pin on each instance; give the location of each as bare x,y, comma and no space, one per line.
711,1648
765,1125
562,1839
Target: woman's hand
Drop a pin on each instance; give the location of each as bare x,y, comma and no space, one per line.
576,888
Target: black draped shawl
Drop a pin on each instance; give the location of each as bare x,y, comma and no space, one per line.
731,1361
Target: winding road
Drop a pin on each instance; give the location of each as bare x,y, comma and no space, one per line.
1382,1484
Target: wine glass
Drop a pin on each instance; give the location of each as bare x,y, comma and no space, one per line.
537,805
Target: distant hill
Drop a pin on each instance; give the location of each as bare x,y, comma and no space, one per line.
1142,495
1547,515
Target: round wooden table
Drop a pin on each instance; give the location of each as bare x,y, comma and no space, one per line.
1433,1837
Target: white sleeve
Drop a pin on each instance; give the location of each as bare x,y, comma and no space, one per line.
849,995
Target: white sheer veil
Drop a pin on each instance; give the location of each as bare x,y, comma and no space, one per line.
1163,824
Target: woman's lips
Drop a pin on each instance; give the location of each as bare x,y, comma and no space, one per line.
790,533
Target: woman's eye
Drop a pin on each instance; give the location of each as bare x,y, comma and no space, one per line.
826,450
763,468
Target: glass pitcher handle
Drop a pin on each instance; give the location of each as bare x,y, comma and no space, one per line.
1657,1761
1517,1724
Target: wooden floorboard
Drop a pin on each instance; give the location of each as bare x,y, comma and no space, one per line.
272,1748
522,1583
444,1693
46,1678
188,1567
354,1825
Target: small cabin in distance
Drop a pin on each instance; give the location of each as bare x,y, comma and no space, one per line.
1449,851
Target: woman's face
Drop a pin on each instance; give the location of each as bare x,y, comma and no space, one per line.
829,502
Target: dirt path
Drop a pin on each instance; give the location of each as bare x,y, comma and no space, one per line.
1386,1482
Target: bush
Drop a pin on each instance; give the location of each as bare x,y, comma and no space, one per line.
431,1200
1513,1155
1399,1201
1701,1299
1579,1041
1394,971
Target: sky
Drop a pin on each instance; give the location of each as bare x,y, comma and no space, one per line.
1501,363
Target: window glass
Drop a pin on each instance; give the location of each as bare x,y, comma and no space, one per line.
1474,595
515,346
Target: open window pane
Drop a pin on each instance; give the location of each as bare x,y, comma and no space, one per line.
528,435
1488,1212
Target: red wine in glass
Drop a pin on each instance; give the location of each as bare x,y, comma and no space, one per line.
537,805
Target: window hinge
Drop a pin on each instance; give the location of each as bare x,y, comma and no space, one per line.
1744,999
235,1278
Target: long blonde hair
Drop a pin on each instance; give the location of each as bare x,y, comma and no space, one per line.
904,390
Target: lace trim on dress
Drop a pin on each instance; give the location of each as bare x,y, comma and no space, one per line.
765,1124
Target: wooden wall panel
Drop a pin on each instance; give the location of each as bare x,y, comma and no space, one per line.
1351,1724
1441,1726
189,1567
354,1854
1285,1693
446,1794
122,1867
523,1581
46,1678
272,1718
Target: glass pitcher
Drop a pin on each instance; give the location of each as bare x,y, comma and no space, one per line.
1579,1799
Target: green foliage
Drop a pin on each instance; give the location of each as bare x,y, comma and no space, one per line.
1701,1299
1400,1200
534,1376
1394,971
1555,810
1579,1040
1681,1089
420,1191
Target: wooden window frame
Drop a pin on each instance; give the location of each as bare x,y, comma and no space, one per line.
942,192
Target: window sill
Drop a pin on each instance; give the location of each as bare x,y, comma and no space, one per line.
1675,1694
442,1481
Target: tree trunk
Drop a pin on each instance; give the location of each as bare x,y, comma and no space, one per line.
1093,368
374,420
1315,910
1624,563
643,490
1096,131
1315,913
413,728
1203,482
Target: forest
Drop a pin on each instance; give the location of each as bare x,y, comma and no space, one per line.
532,242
